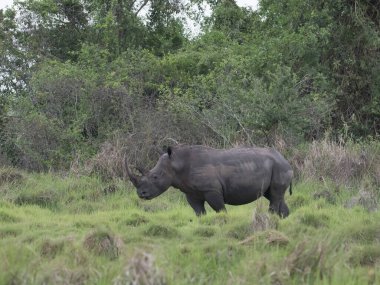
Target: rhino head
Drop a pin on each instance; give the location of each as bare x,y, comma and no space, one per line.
156,181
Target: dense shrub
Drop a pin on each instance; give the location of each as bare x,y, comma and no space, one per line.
290,71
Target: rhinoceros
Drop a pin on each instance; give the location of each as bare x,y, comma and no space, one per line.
234,176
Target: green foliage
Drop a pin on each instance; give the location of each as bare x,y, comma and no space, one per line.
76,74
335,38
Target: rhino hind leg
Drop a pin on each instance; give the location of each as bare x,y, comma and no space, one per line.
277,203
284,210
216,201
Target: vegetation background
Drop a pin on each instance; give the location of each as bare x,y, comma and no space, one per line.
84,83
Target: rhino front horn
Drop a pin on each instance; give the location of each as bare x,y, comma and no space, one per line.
134,179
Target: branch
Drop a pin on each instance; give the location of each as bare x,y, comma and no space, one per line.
142,6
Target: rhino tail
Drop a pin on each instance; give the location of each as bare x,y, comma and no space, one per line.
290,188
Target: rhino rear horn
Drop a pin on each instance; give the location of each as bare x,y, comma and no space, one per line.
159,150
143,171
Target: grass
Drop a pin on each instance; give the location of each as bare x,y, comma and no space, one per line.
58,229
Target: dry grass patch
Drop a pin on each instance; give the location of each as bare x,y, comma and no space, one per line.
276,238
108,162
204,231
270,237
141,270
50,248
136,220
5,217
368,197
10,175
341,163
326,159
368,255
62,275
161,231
308,259
263,220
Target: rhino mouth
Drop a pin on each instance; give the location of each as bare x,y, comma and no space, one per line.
146,197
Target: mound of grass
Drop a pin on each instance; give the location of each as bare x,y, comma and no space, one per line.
308,260
45,198
368,199
361,232
9,231
240,231
136,220
263,220
316,220
62,275
204,231
277,238
268,237
365,255
6,217
154,206
104,243
163,231
297,201
50,248
215,219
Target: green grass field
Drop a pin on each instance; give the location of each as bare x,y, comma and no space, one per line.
57,229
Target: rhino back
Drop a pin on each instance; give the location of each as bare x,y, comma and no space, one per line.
241,174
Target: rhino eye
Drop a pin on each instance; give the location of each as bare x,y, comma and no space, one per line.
155,176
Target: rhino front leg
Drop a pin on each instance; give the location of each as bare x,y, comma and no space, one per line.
216,201
198,205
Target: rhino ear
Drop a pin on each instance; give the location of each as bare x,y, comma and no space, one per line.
169,151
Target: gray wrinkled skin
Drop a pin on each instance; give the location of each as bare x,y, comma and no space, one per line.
235,176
